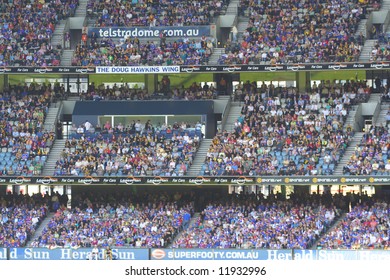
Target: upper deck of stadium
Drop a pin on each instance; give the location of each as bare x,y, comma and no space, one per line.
99,33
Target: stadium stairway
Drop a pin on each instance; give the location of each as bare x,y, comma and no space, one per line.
348,153
51,117
190,224
234,113
336,224
40,228
54,155
200,156
66,59
242,24
375,98
350,121
81,10
382,114
57,37
217,52
365,54
233,7
361,27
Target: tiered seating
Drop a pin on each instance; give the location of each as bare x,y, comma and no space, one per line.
24,144
127,222
108,52
366,226
287,133
123,92
155,13
132,150
372,155
380,51
20,216
299,32
273,225
26,30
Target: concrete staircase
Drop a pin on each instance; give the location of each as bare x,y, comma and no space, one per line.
235,112
190,224
58,34
54,155
73,98
66,59
242,25
348,153
365,54
361,27
375,98
232,9
51,117
217,52
350,121
81,10
200,157
40,229
382,115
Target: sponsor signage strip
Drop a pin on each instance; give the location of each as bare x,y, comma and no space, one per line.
137,69
194,69
194,254
201,180
286,67
149,32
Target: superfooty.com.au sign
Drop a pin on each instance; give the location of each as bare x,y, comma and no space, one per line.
149,32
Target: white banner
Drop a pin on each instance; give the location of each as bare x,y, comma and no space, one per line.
137,69
195,270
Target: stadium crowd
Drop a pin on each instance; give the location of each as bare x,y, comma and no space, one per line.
131,51
372,155
281,131
26,31
366,226
250,221
152,220
24,142
135,149
20,216
155,13
163,91
299,32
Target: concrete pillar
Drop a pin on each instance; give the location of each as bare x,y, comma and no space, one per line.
303,80
151,82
